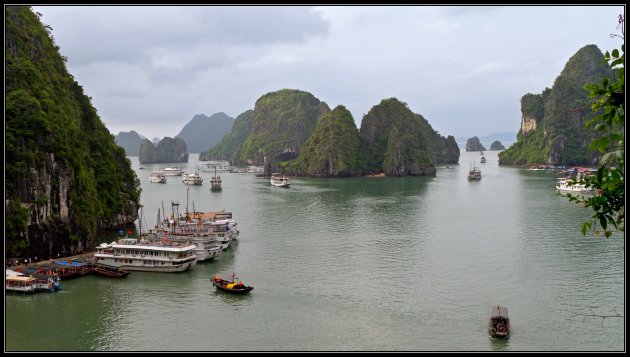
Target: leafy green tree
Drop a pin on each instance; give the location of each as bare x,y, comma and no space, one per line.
608,183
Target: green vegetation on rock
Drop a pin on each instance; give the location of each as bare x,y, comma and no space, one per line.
282,122
559,115
65,177
335,148
401,143
229,148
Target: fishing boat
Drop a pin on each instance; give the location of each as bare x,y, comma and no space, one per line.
483,159
234,286
499,324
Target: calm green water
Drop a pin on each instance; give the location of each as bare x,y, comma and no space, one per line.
356,264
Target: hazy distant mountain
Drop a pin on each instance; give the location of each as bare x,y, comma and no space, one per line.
130,141
505,138
202,132
156,141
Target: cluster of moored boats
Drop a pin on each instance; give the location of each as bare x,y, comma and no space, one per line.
174,244
44,277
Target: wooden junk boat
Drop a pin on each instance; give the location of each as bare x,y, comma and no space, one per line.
234,286
499,324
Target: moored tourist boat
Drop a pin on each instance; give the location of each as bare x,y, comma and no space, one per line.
142,255
567,185
214,166
172,171
157,177
110,270
45,282
192,178
20,283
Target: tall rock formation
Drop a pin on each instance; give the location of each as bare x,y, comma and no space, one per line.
202,132
552,123
282,122
400,142
65,177
496,145
473,144
167,151
335,148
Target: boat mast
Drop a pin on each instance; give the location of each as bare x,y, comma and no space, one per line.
187,190
140,235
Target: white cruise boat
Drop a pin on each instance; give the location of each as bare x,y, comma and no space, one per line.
214,166
192,178
206,246
142,255
157,177
172,171
255,169
279,180
563,185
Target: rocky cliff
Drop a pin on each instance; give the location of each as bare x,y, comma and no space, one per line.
335,148
552,123
496,145
400,142
65,177
473,144
168,150
282,122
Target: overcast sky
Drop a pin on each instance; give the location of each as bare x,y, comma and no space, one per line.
465,69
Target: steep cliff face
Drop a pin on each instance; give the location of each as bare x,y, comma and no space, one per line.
282,122
334,149
203,132
473,144
401,143
168,150
65,177
451,151
552,123
229,148
148,152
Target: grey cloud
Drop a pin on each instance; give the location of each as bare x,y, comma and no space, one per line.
129,33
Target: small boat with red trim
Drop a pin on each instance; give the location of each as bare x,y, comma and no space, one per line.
234,286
